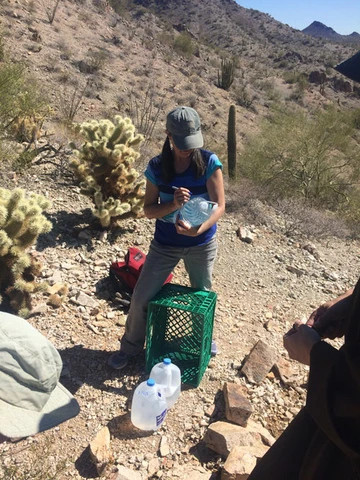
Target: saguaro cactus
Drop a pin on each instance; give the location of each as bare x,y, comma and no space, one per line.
231,142
21,222
226,74
104,164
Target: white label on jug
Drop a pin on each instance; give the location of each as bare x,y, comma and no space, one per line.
144,394
160,418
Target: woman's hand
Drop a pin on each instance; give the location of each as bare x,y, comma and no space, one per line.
181,196
184,228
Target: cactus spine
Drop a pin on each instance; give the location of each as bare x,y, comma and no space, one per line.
21,222
231,141
104,165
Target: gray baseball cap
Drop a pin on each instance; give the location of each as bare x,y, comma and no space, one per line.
31,397
185,127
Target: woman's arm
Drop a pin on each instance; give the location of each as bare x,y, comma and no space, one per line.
154,209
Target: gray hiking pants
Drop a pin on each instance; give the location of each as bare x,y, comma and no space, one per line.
160,262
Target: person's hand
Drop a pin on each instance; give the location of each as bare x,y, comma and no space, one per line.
181,196
299,340
184,228
329,320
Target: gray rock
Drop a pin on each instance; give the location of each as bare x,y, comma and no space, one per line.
85,300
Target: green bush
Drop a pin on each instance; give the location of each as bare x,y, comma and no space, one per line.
21,98
184,45
314,157
295,77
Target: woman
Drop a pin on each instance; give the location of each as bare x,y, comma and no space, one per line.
181,171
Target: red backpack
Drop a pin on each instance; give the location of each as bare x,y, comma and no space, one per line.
125,274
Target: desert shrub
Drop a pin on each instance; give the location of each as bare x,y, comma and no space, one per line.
300,82
243,97
139,12
355,117
311,157
165,38
184,45
104,165
145,110
21,222
2,47
283,64
22,101
297,95
121,7
8,153
298,218
296,77
96,59
70,99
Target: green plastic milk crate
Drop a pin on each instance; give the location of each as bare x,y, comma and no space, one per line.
179,326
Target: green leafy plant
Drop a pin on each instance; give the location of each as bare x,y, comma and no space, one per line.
313,157
184,45
22,104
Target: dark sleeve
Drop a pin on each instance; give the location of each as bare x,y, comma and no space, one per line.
333,398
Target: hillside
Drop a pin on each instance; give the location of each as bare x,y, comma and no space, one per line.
111,62
110,67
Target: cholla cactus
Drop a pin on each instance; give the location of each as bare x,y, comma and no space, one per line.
104,164
21,222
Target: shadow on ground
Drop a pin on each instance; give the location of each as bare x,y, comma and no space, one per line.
66,228
84,365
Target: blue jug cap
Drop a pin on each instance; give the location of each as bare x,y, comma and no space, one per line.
167,361
150,382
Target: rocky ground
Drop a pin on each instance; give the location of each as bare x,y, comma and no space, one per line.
262,288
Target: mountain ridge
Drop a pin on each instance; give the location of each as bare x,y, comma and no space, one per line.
320,30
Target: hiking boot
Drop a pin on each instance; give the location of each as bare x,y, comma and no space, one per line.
214,349
118,360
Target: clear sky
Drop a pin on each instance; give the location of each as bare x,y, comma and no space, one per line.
341,15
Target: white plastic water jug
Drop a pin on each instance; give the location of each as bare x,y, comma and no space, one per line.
197,210
148,407
168,376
